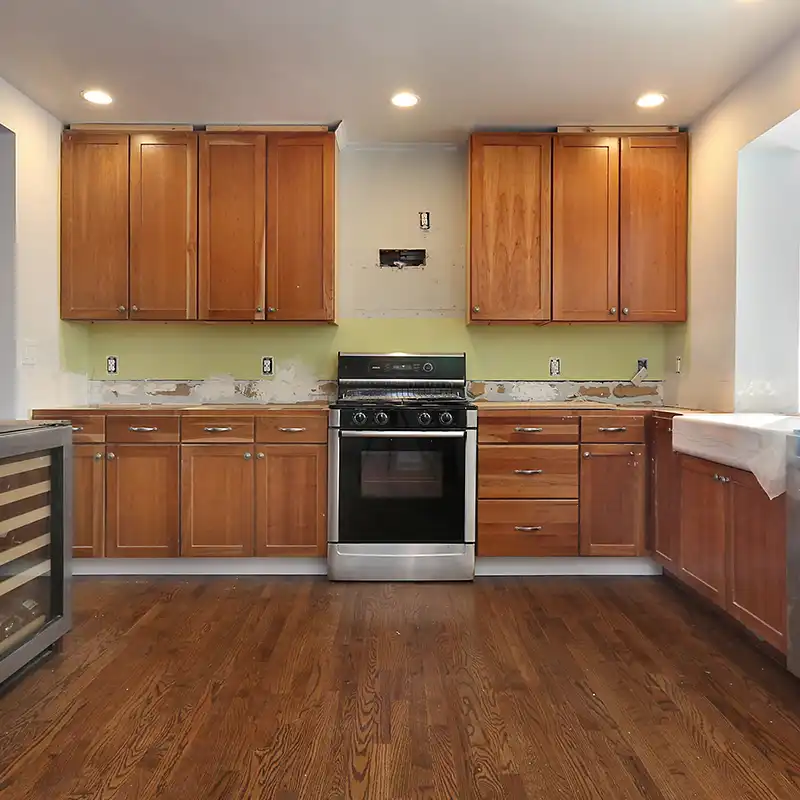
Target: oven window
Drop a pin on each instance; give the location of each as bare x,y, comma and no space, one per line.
401,473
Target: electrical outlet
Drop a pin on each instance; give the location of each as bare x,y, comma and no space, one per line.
267,365
641,364
677,365
112,365
555,367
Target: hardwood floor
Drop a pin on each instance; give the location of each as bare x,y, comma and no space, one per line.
297,688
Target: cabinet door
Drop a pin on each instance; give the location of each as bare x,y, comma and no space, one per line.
612,499
510,212
89,500
142,500
232,225
666,494
757,558
586,229
300,226
163,277
217,500
653,228
94,226
704,520
291,498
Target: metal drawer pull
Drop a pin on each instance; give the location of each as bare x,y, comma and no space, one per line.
587,454
527,528
291,430
528,471
212,429
77,428
612,430
528,430
135,429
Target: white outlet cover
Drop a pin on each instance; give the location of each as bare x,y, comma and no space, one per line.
555,367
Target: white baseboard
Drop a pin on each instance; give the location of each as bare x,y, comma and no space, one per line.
485,567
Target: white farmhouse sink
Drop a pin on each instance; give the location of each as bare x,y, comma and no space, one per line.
753,442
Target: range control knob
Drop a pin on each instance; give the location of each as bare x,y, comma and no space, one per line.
424,418
359,418
381,418
427,367
446,418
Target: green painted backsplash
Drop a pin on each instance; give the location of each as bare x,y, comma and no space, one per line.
191,351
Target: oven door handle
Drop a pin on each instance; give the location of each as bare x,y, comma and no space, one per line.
403,434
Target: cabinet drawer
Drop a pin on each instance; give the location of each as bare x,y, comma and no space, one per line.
616,428
521,427
143,429
206,430
528,528
294,428
528,471
86,428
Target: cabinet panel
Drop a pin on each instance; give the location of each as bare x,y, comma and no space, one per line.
704,515
163,225
89,499
232,226
527,471
613,428
757,558
666,496
291,497
526,427
612,504
292,427
142,500
217,500
586,228
653,228
510,214
532,528
300,226
94,226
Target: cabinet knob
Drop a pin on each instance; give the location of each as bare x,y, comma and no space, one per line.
587,454
260,455
134,308
248,456
625,311
271,309
259,309
121,309
476,309
98,456
110,456
612,310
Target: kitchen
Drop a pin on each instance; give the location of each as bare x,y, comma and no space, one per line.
175,400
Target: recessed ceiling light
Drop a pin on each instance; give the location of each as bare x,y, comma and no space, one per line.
405,99
651,100
97,96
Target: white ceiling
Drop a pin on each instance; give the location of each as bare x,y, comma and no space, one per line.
475,63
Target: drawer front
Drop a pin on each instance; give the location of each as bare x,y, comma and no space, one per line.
292,428
86,428
521,427
143,429
206,430
528,528
528,472
616,428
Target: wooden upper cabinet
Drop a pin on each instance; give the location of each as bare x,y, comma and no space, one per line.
163,226
612,504
300,226
653,228
88,504
510,227
704,522
232,226
586,228
94,226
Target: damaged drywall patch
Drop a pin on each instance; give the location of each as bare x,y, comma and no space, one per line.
613,392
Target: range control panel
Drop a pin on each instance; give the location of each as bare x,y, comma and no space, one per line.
399,418
402,366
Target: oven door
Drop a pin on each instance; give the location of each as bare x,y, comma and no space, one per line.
404,487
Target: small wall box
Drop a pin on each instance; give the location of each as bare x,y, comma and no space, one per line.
401,259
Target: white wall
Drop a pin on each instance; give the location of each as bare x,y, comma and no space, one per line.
768,280
8,333
59,350
707,342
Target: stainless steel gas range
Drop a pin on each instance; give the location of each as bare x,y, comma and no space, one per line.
403,454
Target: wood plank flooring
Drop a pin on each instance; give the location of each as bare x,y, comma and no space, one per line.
296,688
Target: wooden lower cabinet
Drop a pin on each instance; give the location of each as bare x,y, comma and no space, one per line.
291,497
89,500
533,528
612,504
217,500
142,500
666,496
704,525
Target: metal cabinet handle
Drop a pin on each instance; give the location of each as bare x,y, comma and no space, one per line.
528,430
141,429
476,309
528,471
612,430
77,428
724,479
271,309
612,310
121,309
527,528
98,456
248,456
625,311
110,456
134,308
587,454
259,309
214,429
260,455
291,430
